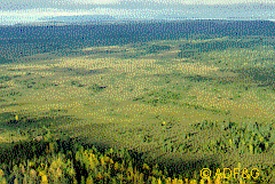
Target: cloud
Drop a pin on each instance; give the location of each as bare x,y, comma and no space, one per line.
32,10
85,4
213,2
95,2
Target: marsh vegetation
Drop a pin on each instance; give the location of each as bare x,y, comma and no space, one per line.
154,111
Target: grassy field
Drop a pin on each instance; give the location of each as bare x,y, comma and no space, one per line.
184,104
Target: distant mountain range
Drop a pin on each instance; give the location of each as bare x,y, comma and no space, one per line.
79,19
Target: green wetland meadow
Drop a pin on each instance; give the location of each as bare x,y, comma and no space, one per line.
156,111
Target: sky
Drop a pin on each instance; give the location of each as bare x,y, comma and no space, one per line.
26,11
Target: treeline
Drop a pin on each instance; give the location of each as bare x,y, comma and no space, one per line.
43,159
28,40
192,49
66,161
72,163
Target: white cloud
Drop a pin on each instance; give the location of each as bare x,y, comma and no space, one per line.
98,2
214,1
35,15
16,11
